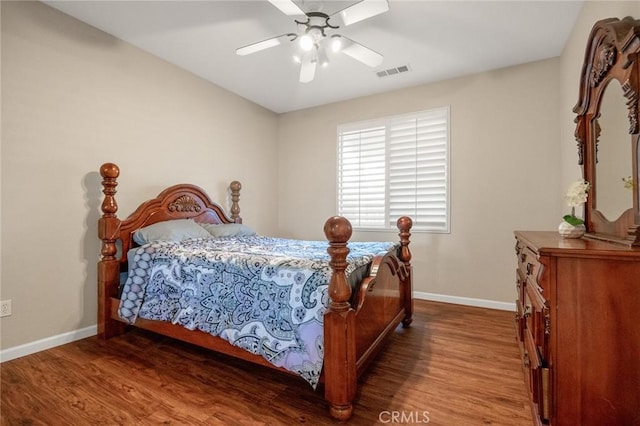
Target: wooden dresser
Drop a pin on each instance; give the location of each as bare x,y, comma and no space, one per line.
577,326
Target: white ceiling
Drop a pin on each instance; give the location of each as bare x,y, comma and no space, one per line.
437,39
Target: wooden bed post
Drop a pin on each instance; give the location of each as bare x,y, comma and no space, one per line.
235,188
339,325
404,226
108,266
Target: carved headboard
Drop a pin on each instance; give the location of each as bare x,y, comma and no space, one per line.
183,201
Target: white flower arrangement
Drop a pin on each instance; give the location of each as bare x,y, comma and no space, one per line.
576,196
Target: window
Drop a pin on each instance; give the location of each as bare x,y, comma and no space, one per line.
395,166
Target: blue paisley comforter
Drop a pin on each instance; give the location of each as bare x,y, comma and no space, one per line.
265,295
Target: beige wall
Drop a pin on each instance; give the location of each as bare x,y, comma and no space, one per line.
69,90
74,97
504,173
509,165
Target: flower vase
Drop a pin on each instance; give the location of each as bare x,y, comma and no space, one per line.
567,230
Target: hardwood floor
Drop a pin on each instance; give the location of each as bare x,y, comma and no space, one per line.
455,365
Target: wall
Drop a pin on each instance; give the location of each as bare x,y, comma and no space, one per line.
570,69
504,173
73,98
509,167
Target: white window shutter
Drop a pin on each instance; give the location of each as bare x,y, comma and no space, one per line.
361,180
397,166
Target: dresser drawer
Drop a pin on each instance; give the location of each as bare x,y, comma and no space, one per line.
529,265
537,378
536,318
531,363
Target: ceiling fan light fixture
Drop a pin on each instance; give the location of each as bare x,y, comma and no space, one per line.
307,42
311,38
312,41
302,56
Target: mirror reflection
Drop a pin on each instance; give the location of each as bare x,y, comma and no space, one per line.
613,168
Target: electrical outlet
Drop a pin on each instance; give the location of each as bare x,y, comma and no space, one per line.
5,308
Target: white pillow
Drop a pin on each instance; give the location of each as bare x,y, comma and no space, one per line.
170,230
228,229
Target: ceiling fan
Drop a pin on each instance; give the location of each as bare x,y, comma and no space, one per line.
314,40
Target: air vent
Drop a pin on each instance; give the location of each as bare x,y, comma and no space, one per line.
393,71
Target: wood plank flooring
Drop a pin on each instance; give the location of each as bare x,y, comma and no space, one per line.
455,365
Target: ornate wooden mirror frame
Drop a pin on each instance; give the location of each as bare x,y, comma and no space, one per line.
612,57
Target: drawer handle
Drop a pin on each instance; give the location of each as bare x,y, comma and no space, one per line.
523,257
547,323
525,360
527,312
529,268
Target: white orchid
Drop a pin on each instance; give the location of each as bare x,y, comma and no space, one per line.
576,196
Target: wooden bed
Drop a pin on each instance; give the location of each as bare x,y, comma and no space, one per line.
354,330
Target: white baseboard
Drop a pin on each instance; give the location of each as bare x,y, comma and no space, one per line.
47,343
72,336
467,301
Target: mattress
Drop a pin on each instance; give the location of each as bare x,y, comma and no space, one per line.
265,295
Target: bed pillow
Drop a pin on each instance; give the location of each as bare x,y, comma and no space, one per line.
170,230
228,229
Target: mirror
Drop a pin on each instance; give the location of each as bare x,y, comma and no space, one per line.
614,194
607,130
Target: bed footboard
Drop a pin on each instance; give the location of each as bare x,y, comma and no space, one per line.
354,334
340,374
404,227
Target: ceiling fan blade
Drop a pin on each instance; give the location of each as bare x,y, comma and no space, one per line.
363,10
307,71
288,7
262,45
361,53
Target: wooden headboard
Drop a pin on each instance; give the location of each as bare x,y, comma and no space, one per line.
183,201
